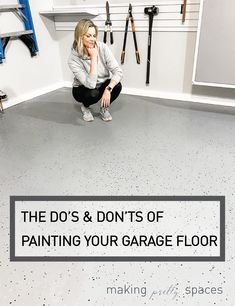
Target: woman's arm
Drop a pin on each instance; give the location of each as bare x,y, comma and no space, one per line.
105,100
112,65
93,52
76,65
112,84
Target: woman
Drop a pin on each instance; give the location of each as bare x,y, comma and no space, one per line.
97,74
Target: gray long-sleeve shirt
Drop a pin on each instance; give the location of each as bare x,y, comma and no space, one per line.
107,67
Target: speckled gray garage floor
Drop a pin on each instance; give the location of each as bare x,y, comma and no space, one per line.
152,147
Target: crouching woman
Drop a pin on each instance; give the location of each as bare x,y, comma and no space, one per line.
97,74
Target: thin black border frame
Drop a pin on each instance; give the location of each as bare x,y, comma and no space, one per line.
220,199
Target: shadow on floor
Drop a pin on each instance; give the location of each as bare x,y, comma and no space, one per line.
59,112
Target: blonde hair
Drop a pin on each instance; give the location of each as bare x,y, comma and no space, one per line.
81,29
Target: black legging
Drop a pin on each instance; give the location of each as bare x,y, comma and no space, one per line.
91,96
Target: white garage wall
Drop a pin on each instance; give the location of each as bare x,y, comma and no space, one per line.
21,76
171,64
170,67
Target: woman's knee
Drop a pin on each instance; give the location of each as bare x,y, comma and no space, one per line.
119,86
93,93
75,94
85,95
91,96
116,92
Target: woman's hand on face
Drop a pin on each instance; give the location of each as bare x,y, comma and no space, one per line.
93,52
105,100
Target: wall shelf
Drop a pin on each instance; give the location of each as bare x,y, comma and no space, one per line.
69,13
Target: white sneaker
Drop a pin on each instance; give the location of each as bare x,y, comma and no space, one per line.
105,114
87,115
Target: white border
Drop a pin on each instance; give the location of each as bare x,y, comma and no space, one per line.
178,97
213,84
197,41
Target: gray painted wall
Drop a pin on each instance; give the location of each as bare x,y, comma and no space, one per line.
216,45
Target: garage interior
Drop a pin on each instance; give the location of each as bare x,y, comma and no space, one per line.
172,137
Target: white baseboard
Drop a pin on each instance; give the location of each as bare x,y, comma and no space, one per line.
130,91
179,97
33,94
173,96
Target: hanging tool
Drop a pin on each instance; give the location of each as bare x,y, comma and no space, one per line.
151,12
108,25
130,17
183,10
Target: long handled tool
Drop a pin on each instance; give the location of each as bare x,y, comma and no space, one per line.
150,11
184,7
130,17
108,26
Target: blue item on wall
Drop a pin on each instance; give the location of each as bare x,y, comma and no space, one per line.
28,37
